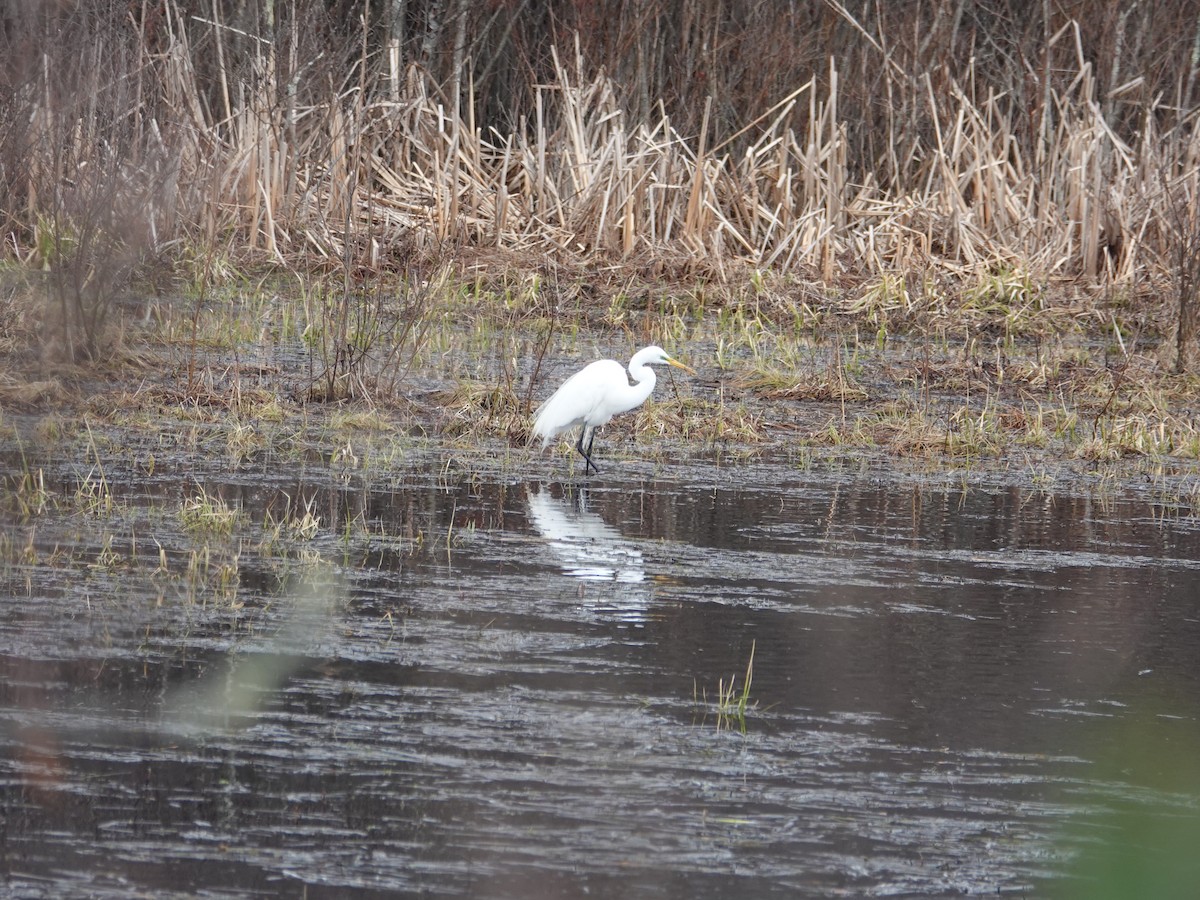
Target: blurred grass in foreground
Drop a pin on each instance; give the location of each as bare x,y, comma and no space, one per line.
1141,835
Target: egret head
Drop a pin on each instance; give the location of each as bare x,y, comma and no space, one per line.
654,354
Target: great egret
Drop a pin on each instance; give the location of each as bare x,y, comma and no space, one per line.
595,394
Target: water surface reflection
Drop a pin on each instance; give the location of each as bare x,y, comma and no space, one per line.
504,692
584,545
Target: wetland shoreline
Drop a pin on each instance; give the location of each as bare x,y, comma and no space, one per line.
1042,396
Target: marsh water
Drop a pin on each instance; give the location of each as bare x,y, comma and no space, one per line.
498,684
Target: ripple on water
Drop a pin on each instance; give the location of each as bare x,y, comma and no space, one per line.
523,701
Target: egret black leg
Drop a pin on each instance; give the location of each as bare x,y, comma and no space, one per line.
587,454
591,439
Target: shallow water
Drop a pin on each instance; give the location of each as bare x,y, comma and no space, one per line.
491,685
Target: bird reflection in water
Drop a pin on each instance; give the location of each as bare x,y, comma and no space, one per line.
588,548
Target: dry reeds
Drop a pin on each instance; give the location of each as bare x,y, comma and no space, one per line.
306,141
583,181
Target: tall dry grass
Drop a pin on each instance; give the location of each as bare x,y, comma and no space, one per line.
847,144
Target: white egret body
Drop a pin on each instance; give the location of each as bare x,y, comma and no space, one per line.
596,393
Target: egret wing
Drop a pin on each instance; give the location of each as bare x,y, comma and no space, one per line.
580,400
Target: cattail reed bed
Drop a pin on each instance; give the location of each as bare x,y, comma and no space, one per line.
309,137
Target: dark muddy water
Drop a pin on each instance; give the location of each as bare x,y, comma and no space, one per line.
499,686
